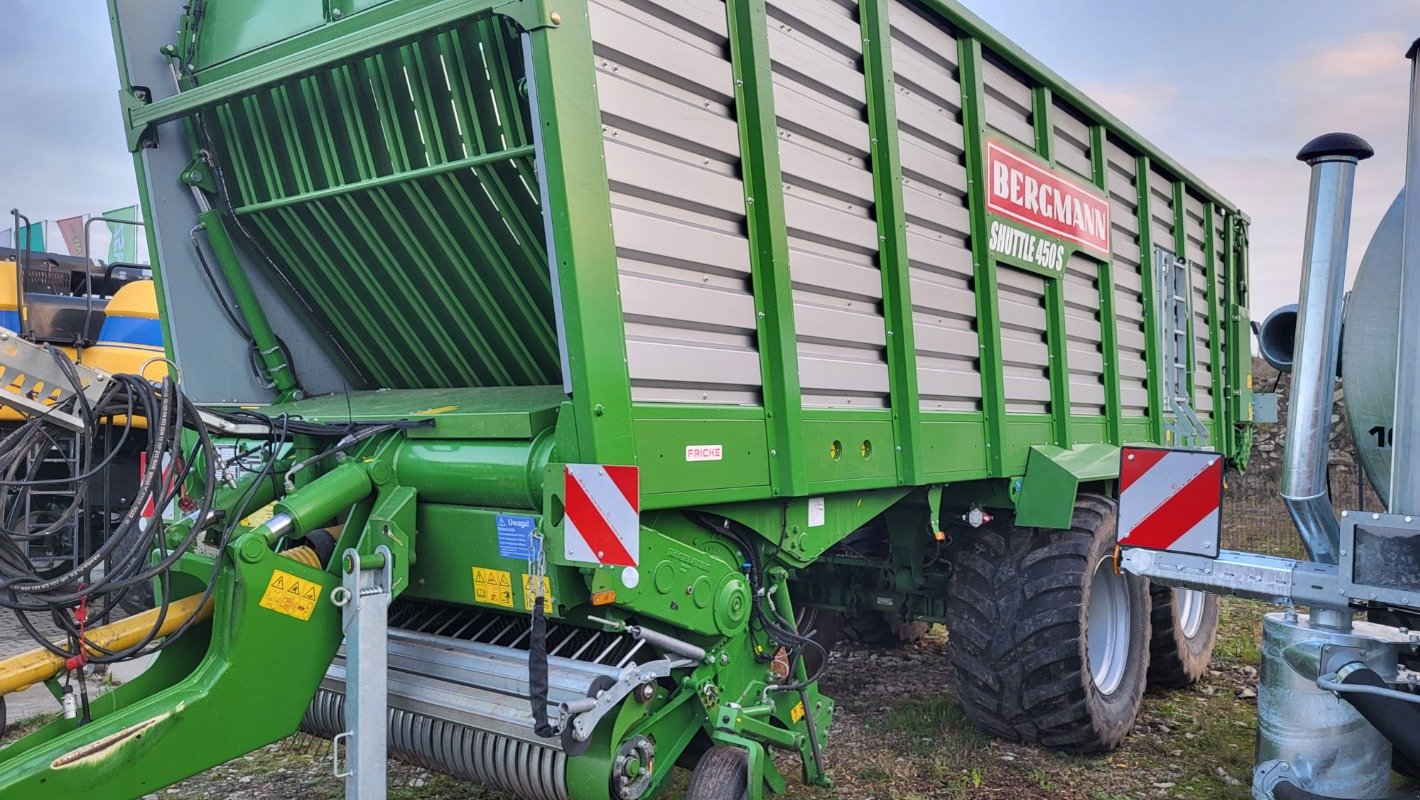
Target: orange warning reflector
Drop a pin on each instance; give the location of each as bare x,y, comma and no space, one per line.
603,598
939,536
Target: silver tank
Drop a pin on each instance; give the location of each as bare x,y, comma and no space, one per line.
1368,349
1330,747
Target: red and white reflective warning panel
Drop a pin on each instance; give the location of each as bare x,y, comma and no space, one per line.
1170,500
603,515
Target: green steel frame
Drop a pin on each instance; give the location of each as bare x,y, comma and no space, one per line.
892,238
993,389
1109,321
769,244
784,445
504,450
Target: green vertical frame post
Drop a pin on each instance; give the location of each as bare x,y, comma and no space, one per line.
988,314
1215,322
892,239
580,237
1239,322
1057,343
769,244
1109,323
1151,312
1180,243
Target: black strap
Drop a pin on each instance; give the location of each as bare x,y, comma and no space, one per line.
537,671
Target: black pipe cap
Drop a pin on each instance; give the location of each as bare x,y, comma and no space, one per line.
1414,49
1335,144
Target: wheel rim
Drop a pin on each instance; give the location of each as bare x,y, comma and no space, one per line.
1107,634
1189,603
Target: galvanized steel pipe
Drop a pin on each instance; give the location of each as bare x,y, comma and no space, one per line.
1333,160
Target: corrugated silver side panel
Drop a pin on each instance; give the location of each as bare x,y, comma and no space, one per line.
924,59
1008,102
1025,359
820,99
1080,283
672,156
1024,354
1084,348
1071,141
1161,212
1128,280
1196,242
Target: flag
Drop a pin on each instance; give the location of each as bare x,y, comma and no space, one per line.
71,230
123,238
7,237
32,237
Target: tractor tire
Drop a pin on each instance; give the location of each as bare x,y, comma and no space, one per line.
1185,629
1047,644
884,630
722,774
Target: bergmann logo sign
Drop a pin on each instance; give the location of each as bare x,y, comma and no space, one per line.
1028,199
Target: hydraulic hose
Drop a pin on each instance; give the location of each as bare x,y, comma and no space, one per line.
1396,719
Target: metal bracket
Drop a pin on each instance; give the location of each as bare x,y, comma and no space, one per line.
1265,408
1274,580
1386,540
585,715
34,384
1267,775
141,135
365,602
199,174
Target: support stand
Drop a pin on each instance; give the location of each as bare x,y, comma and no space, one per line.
365,602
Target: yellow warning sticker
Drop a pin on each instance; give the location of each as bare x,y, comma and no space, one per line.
796,713
493,587
546,593
292,596
260,516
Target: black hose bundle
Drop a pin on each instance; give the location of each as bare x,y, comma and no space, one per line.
134,551
92,584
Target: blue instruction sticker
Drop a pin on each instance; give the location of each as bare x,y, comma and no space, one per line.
515,536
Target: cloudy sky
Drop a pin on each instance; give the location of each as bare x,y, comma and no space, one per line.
1231,89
